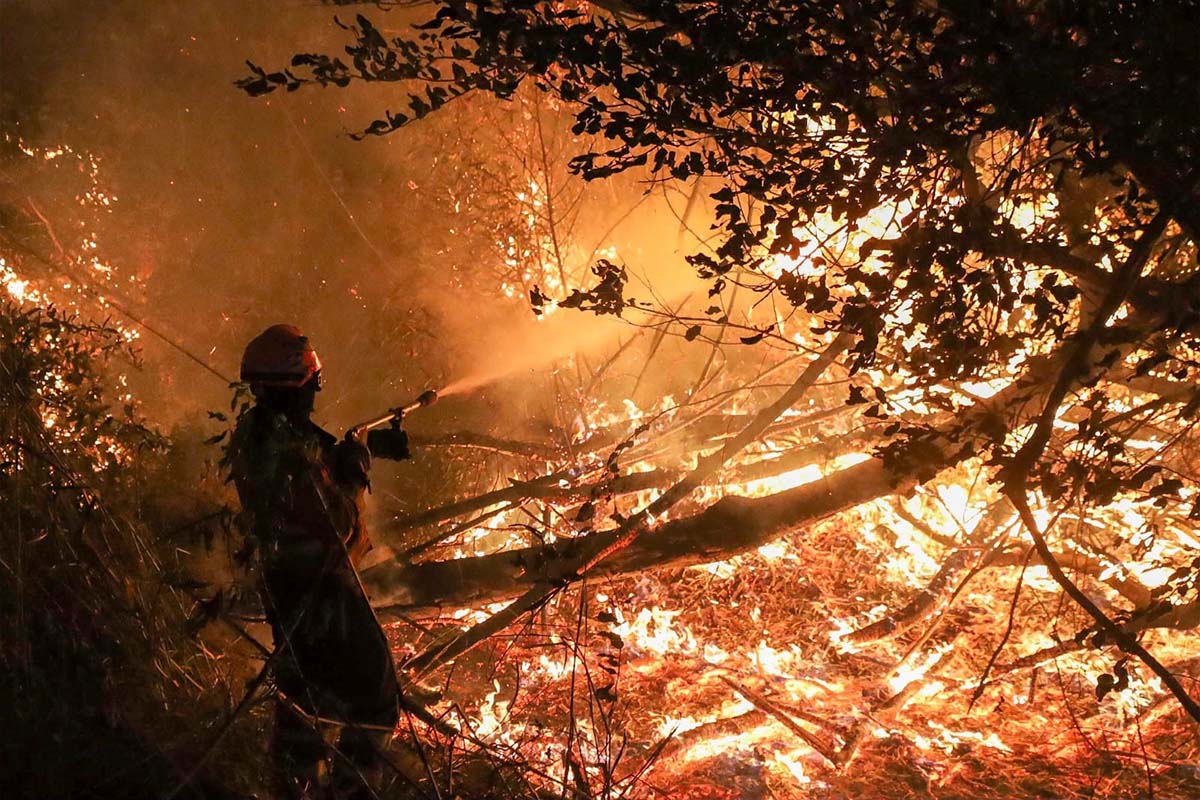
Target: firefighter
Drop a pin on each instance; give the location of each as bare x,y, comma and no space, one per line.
302,492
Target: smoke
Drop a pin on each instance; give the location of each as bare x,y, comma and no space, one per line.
233,214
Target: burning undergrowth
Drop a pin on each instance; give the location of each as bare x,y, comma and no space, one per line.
727,680
808,571
841,658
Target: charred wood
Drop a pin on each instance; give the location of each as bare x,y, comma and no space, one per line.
764,704
725,726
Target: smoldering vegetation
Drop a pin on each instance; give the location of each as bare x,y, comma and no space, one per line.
722,594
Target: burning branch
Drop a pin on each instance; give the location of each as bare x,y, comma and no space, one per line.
600,549
764,704
731,525
1016,474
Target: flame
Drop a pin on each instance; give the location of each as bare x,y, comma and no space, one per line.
907,673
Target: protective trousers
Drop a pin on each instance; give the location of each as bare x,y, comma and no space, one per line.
334,670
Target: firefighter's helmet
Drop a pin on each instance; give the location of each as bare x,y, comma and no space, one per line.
280,356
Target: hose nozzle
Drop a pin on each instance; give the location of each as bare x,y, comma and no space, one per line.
393,416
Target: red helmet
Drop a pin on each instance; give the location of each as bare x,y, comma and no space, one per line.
280,356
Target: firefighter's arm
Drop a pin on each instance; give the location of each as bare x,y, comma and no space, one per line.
352,465
350,470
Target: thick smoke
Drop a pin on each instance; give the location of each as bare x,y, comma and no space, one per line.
235,213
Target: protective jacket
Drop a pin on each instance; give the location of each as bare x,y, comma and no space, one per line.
298,484
302,493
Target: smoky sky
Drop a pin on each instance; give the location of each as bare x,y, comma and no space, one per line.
235,213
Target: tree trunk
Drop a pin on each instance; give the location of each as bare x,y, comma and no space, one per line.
730,526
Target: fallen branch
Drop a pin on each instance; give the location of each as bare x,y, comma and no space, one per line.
731,526
599,550
762,703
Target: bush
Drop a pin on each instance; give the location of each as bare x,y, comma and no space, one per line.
102,687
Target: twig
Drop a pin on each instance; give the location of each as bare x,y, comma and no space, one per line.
1012,611
762,703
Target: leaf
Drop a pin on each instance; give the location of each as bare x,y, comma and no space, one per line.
607,694
537,300
613,639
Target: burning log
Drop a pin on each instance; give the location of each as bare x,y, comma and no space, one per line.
764,704
730,526
725,726
736,524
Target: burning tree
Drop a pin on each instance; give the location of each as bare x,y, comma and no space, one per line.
970,238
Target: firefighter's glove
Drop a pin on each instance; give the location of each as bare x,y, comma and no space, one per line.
389,443
351,463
